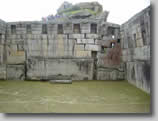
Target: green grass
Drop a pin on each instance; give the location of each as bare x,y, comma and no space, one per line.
78,97
78,11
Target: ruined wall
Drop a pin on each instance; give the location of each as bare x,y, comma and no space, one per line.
110,65
2,50
135,42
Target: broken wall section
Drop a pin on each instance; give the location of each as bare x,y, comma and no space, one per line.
110,65
135,42
2,50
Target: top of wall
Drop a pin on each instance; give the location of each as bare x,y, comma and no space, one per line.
1,21
137,16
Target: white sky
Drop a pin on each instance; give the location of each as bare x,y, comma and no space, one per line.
30,10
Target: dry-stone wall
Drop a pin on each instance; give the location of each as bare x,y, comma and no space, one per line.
135,43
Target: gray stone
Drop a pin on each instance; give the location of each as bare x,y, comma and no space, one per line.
109,74
75,69
61,81
2,72
15,72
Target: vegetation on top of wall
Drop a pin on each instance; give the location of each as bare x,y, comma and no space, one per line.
76,9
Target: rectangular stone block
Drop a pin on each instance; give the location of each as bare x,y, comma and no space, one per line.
92,47
76,36
15,56
68,28
85,28
36,69
2,72
79,47
61,81
142,53
91,36
85,41
109,74
85,54
59,69
1,53
15,72
138,74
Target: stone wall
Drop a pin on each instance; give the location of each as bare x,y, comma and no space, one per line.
59,68
28,44
36,47
135,42
77,49
110,65
2,50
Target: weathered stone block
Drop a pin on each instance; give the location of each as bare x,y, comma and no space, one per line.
15,56
2,72
76,36
61,81
138,73
109,74
2,52
142,53
91,36
15,72
49,69
92,47
79,48
35,69
84,54
68,28
85,28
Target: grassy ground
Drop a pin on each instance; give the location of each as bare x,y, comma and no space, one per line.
78,97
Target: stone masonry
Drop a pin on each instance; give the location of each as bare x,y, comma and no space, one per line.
77,48
135,44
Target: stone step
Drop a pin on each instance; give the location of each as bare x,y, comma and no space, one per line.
61,81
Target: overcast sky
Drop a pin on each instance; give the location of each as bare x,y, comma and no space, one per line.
30,10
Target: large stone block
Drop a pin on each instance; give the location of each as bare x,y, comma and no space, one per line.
85,54
92,47
35,69
15,56
138,73
2,54
85,28
142,53
109,74
91,36
68,28
85,41
79,47
15,72
76,36
3,72
49,69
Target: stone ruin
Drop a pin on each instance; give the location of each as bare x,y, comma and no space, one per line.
80,45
